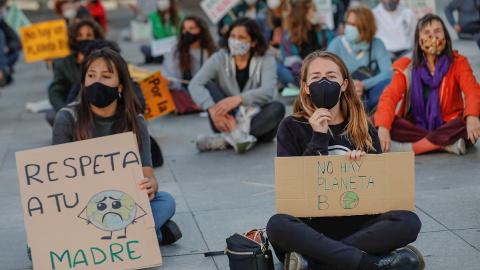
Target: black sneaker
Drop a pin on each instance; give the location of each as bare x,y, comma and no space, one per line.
407,258
170,233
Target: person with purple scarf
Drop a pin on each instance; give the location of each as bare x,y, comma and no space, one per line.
432,115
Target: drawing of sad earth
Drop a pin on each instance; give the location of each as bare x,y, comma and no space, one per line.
111,210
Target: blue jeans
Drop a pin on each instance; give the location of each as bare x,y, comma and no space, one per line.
370,98
284,75
163,209
6,59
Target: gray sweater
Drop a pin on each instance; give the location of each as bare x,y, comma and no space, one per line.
171,66
220,68
468,12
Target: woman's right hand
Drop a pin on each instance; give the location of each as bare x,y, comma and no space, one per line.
223,123
319,120
384,136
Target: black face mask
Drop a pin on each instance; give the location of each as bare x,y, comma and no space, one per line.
190,38
325,93
100,95
390,5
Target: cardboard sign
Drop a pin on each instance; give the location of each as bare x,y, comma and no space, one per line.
216,9
45,40
83,208
157,96
325,12
162,46
137,73
16,18
421,7
333,186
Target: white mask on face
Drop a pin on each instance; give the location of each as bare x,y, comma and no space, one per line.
250,2
316,19
163,5
274,4
70,13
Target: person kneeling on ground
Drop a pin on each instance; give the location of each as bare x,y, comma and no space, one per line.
108,106
329,119
432,115
236,85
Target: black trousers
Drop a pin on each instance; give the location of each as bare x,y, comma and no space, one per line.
264,125
342,241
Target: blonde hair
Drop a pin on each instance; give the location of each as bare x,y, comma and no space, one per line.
351,107
364,21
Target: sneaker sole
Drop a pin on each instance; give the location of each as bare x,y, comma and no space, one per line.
293,261
170,228
417,253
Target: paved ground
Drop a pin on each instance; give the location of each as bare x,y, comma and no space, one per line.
220,193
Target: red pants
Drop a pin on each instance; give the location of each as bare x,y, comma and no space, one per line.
403,130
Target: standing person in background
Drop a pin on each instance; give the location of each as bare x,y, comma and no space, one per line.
304,35
253,9
195,46
468,24
432,114
276,20
10,47
238,81
328,119
395,27
108,106
360,48
98,13
66,71
165,23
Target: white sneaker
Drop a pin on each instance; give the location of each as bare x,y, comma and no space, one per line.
295,261
210,142
400,147
241,141
458,147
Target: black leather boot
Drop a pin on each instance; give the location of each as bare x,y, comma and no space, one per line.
407,258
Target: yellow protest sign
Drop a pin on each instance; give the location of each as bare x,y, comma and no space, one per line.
157,96
45,40
137,73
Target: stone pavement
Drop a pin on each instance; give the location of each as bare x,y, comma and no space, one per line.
220,193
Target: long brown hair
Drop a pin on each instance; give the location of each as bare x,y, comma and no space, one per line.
183,48
174,13
128,106
418,54
364,21
75,28
297,23
351,107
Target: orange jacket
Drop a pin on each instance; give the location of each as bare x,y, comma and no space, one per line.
458,79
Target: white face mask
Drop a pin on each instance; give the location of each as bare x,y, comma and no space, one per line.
250,2
70,13
238,47
274,4
163,5
316,19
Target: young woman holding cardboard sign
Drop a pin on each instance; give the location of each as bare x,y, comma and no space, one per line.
329,119
108,105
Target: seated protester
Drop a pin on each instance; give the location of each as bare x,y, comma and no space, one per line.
468,24
359,48
71,10
98,13
195,46
236,86
253,9
66,71
432,114
304,35
108,106
165,23
276,12
10,47
328,119
395,27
